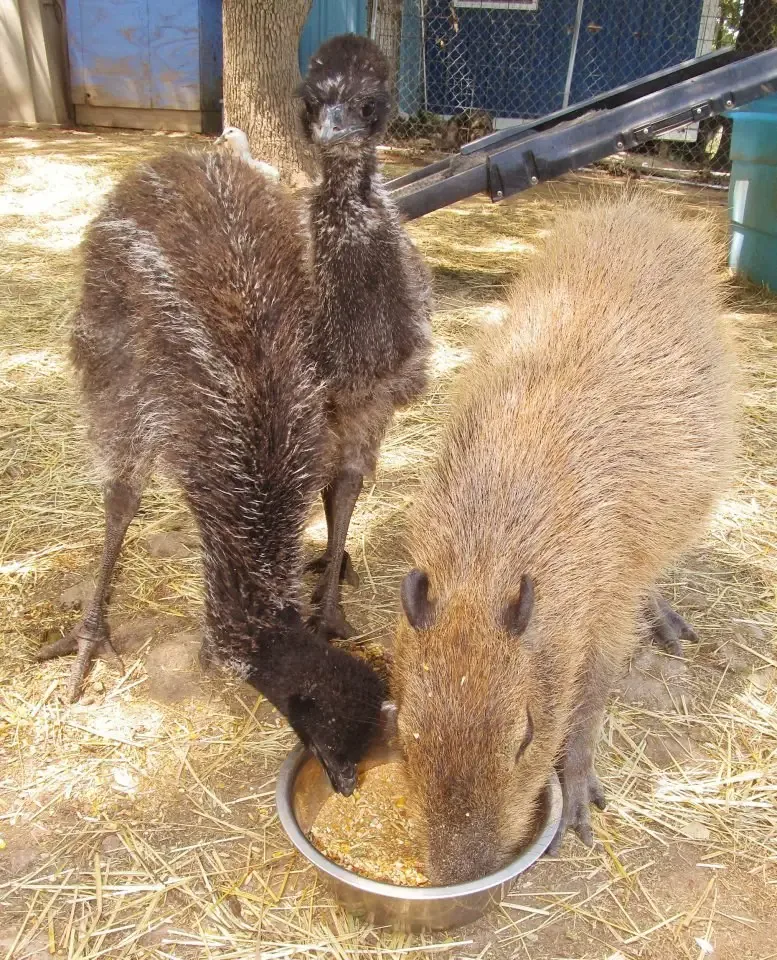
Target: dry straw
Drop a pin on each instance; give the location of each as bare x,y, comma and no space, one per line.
133,826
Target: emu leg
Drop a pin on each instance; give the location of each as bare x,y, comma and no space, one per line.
121,502
342,492
666,627
580,785
320,564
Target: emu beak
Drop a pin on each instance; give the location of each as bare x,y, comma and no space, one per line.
331,126
343,778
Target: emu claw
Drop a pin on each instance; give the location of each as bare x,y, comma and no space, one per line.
85,642
580,791
668,629
347,572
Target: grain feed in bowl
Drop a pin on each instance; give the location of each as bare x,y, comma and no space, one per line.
371,832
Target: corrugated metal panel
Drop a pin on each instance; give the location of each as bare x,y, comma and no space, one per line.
327,19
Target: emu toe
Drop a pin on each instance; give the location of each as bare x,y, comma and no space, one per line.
331,624
347,572
580,791
84,641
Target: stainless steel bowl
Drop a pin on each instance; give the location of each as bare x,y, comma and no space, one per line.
303,787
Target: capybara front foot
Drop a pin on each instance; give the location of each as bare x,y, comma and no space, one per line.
85,641
580,791
667,629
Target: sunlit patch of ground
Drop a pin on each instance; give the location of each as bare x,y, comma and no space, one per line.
140,822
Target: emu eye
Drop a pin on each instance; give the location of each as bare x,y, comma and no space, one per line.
368,109
527,737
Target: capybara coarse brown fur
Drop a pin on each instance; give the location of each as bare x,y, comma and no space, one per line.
588,445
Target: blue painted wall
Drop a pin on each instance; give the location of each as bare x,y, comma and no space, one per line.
133,53
327,19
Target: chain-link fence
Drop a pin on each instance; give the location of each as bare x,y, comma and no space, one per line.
465,67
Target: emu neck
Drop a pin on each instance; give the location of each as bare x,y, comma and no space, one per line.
250,545
347,184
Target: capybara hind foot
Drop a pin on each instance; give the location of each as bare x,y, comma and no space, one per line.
85,641
580,791
347,572
666,628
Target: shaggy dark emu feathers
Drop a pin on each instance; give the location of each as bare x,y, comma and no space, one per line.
194,348
373,327
374,292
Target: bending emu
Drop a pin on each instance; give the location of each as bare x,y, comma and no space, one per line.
373,288
193,347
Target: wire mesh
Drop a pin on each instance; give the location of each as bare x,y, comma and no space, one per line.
465,67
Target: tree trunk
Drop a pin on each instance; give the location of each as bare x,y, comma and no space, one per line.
388,36
261,72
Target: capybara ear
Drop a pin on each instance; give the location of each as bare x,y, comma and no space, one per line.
517,611
419,609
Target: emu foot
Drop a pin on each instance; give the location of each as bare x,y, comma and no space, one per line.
580,791
667,629
331,624
85,642
347,573
206,657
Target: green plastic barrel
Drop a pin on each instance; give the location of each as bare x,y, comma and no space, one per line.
753,191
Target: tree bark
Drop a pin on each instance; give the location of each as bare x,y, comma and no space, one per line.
388,36
261,72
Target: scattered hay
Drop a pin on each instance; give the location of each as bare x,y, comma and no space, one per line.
139,828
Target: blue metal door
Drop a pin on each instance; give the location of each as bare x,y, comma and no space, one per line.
131,53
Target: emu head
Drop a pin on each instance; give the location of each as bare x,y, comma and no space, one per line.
345,99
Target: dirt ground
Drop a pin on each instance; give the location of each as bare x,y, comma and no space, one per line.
140,822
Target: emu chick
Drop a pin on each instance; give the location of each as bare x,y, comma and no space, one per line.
588,445
374,323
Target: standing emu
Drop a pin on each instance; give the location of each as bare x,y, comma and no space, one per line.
373,288
194,351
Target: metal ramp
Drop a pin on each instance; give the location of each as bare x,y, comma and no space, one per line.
517,158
